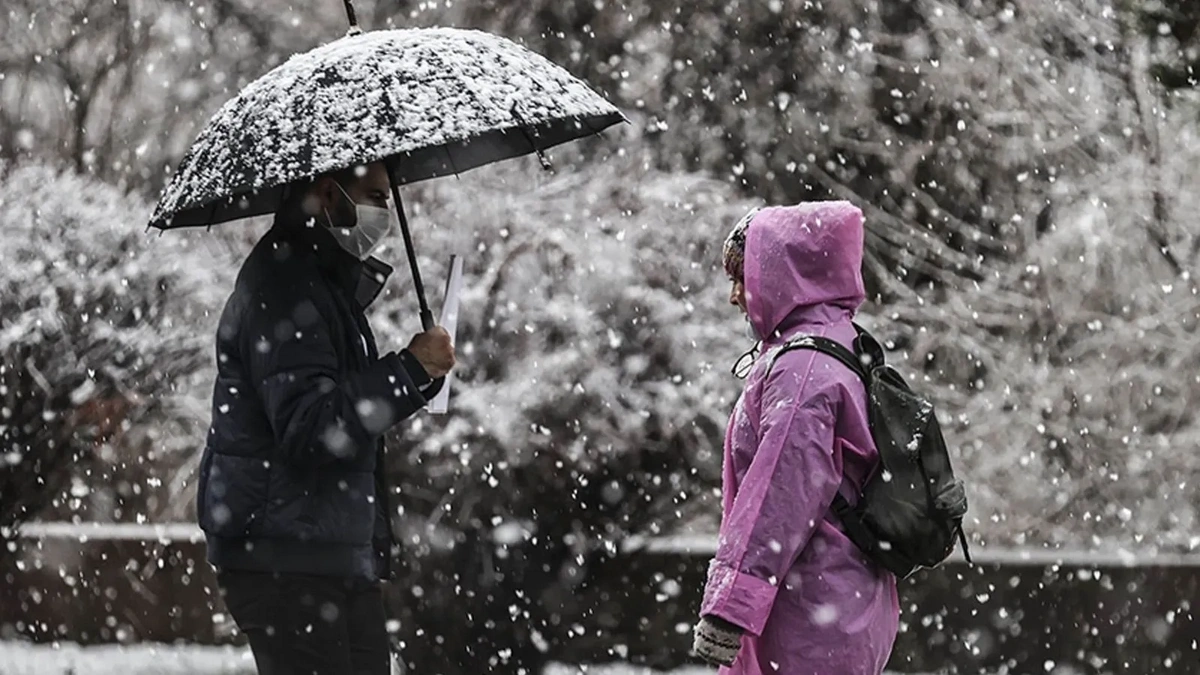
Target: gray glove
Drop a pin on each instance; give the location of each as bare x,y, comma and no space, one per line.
716,641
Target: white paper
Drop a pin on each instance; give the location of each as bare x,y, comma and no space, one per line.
449,320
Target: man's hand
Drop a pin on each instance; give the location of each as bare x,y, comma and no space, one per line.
717,641
434,350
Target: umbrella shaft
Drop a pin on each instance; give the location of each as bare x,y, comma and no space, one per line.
427,321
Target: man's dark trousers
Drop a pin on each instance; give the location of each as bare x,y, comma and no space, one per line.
301,624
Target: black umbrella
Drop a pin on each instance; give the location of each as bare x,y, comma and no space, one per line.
426,102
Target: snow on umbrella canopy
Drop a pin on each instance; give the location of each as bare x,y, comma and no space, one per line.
431,102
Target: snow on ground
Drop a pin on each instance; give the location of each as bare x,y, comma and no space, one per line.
18,658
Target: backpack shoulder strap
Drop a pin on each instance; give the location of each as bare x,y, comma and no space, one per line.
841,507
870,352
825,346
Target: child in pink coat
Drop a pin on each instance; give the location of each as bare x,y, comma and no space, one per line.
787,592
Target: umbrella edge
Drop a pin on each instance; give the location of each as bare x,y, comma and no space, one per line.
424,164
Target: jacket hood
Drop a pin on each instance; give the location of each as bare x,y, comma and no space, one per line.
803,265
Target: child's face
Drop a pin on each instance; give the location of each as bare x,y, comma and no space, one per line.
737,295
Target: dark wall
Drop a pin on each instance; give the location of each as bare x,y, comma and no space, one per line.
958,619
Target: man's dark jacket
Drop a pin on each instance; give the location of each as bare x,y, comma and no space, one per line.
292,478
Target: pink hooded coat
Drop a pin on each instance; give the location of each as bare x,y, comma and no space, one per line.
809,601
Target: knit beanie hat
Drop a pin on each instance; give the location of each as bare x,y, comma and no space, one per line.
734,254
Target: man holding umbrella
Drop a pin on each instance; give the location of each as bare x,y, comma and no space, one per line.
292,496
291,492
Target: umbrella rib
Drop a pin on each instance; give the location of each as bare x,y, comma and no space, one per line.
529,137
453,74
450,159
466,86
582,118
212,213
462,81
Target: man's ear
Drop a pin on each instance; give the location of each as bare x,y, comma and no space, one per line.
319,198
326,192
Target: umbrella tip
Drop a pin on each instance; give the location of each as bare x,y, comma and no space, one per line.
352,17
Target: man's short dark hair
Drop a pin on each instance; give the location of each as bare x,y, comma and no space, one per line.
293,195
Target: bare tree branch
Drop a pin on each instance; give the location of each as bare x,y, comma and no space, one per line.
1137,82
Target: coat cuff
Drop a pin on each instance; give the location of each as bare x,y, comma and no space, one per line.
416,372
737,597
403,385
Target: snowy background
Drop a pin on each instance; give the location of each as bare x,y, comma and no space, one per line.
1027,170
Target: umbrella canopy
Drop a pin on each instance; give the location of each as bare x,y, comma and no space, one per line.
428,102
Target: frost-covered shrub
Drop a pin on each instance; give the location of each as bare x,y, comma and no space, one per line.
1069,377
949,123
104,335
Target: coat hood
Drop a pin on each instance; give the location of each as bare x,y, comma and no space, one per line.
803,265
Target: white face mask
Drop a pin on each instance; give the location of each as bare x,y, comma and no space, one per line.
372,225
751,332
